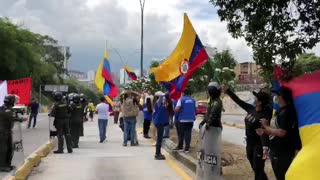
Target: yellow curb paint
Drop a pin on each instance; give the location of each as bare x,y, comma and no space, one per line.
174,166
35,159
24,171
11,178
171,162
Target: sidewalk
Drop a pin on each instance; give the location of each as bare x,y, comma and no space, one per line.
109,160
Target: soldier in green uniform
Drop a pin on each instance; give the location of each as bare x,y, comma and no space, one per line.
75,120
60,112
7,120
213,116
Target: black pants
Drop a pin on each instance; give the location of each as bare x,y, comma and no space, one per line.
115,117
146,127
178,128
185,134
75,134
6,149
160,129
63,130
280,161
254,155
34,117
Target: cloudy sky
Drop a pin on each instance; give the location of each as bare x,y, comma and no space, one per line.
85,25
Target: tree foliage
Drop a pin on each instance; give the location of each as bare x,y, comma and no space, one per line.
24,53
306,63
278,31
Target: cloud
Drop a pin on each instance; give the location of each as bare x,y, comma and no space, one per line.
85,25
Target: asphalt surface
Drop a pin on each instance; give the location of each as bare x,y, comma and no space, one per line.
32,139
108,160
229,134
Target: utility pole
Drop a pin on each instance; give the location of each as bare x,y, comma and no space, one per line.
142,2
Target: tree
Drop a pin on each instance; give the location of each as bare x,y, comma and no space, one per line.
306,63
223,61
277,31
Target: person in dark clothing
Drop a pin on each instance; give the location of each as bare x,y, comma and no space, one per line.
75,120
160,120
60,112
34,107
257,146
7,120
84,113
147,114
284,136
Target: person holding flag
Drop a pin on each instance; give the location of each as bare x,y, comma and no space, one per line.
104,81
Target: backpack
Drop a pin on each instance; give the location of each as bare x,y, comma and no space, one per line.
129,109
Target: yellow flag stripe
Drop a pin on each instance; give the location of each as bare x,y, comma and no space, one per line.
128,69
170,68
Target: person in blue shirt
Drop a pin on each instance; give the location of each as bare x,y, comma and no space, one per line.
186,107
160,120
147,114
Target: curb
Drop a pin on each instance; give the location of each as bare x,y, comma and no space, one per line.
32,161
240,126
185,159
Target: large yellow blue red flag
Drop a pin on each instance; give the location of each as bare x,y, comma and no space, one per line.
104,81
187,57
130,73
306,93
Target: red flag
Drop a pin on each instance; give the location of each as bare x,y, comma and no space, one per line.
22,88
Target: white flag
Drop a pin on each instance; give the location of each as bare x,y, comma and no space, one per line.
3,91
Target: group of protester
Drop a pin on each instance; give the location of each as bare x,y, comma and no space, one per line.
265,136
277,136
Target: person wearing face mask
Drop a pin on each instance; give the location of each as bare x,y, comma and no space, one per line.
284,136
257,146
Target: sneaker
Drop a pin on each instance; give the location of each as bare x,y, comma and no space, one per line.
58,152
159,157
186,150
7,169
177,149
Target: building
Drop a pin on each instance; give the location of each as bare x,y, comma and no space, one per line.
91,75
78,75
247,73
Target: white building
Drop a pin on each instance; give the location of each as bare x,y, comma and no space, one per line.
91,75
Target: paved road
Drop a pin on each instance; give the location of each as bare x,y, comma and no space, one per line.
32,139
109,160
229,134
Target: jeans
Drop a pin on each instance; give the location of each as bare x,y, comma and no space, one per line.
160,129
146,127
254,155
129,127
185,133
34,117
102,128
280,161
180,138
166,133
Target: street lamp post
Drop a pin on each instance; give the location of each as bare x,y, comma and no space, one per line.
142,2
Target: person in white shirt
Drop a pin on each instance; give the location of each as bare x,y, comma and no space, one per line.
103,116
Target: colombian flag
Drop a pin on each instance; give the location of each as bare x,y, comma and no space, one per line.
276,84
104,80
187,57
306,93
130,73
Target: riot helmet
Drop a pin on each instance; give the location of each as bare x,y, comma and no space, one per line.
9,100
214,90
76,98
58,96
